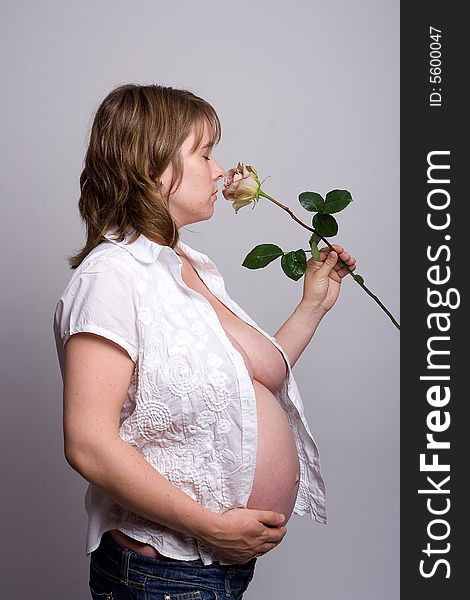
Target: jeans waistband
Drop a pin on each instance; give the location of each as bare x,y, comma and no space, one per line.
123,567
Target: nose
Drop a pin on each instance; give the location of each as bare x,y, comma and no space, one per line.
219,170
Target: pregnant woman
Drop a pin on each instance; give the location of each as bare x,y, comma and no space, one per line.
179,410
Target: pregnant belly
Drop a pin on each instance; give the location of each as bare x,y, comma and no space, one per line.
277,471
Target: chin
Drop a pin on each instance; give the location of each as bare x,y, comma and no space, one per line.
198,219
210,212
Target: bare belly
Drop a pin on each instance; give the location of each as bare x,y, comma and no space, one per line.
277,471
277,475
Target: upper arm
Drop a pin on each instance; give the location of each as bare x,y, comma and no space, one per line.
96,322
97,375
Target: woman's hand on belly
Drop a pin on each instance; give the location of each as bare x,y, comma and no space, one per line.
242,533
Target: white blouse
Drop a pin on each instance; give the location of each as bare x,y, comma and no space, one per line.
190,408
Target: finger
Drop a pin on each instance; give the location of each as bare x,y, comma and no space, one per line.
348,259
341,264
352,264
326,250
266,548
276,535
345,265
344,256
339,249
328,264
269,517
342,271
345,259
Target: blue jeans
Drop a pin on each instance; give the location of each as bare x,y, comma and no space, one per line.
117,573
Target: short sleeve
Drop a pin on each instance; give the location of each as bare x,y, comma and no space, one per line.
101,299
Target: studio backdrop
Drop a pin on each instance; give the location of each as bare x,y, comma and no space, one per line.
308,93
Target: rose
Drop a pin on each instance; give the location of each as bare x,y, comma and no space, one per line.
241,186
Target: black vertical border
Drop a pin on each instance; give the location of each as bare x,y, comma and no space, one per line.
425,129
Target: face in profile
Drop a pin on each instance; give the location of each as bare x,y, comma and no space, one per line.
194,199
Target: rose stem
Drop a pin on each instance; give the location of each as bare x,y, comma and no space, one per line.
358,281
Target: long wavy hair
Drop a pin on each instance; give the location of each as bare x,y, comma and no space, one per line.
136,133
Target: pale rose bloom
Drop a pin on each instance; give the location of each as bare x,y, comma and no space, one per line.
241,186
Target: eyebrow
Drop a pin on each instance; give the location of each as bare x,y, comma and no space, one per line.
209,145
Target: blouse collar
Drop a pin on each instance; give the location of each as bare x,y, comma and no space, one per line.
147,251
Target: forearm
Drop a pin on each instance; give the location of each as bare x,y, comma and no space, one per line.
295,334
132,482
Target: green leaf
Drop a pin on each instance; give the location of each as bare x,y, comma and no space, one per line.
336,200
294,264
261,256
311,201
314,248
325,225
315,237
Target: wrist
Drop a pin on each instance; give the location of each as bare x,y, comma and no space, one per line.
310,311
206,527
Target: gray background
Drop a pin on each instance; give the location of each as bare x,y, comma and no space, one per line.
308,93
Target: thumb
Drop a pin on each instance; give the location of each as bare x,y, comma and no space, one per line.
328,264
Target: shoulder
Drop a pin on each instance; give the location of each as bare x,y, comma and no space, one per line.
107,262
107,273
108,256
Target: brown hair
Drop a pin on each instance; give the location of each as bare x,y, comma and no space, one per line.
137,132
